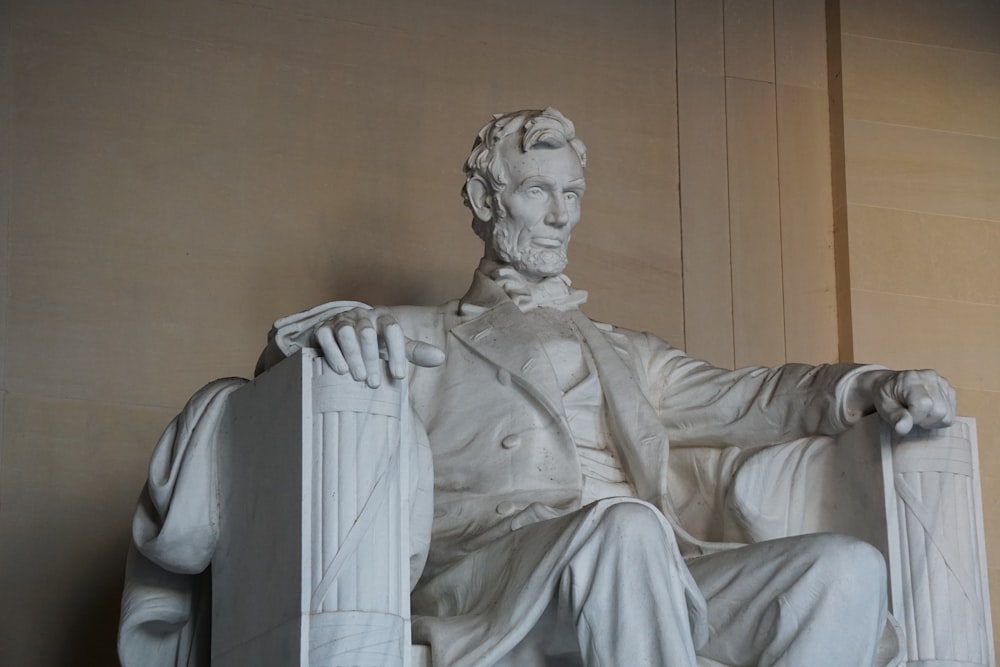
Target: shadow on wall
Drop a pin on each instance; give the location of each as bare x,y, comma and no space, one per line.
91,632
392,286
379,258
360,252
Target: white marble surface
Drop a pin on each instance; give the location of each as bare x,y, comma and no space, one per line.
524,187
516,569
939,585
917,497
315,509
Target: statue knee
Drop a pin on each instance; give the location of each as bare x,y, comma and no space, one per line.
853,566
635,524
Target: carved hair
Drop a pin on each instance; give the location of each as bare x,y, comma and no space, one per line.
546,128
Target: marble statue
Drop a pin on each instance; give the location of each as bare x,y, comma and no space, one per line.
554,538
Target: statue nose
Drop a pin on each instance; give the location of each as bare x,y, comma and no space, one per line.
557,215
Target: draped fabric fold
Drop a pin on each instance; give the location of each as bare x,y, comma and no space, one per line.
166,613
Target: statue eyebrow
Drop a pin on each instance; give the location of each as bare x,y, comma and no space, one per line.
537,179
548,181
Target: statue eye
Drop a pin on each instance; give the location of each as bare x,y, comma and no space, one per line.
535,191
572,197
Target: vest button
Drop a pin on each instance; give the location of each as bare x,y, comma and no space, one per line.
511,442
503,375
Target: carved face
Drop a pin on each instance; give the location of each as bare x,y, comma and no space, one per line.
538,209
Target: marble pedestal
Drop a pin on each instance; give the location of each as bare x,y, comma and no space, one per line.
312,567
935,544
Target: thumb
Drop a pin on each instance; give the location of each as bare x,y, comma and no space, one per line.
424,354
899,417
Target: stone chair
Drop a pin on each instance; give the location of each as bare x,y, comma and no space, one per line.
312,562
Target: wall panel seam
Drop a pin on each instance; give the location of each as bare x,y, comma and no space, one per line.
680,178
924,44
924,128
978,390
6,189
838,182
750,78
917,211
963,302
729,192
777,163
955,216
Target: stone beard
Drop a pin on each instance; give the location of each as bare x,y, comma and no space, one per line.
527,258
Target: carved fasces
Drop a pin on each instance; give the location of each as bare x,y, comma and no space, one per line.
942,598
359,576
314,560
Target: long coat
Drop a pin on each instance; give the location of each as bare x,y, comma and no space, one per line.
507,481
497,428
504,455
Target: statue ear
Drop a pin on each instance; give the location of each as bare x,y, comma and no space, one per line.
480,200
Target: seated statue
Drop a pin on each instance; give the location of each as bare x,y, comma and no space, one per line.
555,540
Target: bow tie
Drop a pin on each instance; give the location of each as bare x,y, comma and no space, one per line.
552,292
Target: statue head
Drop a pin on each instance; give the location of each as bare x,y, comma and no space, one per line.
524,183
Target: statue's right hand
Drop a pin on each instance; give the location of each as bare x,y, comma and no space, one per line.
356,340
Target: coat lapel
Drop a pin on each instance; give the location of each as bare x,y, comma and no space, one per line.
641,437
646,446
500,334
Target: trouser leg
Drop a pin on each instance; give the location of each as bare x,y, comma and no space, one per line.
816,600
626,591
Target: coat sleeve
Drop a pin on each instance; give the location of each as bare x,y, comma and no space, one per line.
701,404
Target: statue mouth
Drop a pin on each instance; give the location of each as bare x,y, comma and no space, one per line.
547,242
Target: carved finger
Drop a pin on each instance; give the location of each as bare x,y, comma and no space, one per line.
395,346
919,404
938,413
889,403
369,352
347,337
901,420
331,351
952,405
944,403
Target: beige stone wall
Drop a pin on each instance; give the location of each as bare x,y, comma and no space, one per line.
921,84
756,193
180,173
176,174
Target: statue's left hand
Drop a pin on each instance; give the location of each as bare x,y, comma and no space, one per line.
911,398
